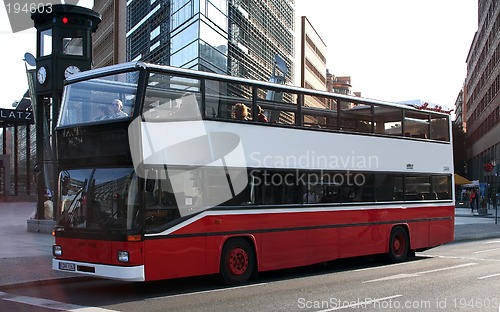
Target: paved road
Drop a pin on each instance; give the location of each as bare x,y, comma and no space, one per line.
461,276
26,256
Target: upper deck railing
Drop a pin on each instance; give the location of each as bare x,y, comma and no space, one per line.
159,93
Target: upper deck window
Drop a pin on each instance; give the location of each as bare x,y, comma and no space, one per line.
439,128
99,100
170,97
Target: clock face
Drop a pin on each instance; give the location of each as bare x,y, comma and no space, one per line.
41,75
70,70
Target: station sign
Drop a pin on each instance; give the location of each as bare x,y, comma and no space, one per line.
16,117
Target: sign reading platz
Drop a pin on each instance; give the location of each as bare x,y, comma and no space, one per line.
16,117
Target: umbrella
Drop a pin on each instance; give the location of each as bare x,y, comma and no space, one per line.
459,180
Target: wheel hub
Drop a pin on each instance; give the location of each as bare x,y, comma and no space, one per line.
238,261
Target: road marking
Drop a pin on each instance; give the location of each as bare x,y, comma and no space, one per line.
487,250
50,304
361,304
207,291
383,266
417,274
465,258
449,268
488,276
492,242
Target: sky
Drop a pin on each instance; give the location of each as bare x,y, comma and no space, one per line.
394,50
397,50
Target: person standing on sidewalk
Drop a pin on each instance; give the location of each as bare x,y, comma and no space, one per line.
477,199
472,197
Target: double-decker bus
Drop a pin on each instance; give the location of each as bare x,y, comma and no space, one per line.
176,185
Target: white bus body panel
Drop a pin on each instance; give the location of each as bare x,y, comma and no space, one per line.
278,147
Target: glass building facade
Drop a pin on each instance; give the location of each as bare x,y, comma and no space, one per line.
236,37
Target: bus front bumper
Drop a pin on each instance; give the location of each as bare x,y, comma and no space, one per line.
123,273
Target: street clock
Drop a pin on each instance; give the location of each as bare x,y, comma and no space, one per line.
64,44
70,70
64,47
41,75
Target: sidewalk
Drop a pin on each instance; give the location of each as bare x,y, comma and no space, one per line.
471,226
26,256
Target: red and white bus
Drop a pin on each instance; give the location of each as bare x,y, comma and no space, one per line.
178,186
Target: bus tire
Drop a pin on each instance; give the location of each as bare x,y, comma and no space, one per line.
399,245
237,261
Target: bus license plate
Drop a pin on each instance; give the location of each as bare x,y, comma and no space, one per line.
66,266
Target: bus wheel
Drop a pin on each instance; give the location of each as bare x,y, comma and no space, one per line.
237,261
398,244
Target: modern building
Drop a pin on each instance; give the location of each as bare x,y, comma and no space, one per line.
339,84
239,37
108,42
312,62
459,111
482,98
314,74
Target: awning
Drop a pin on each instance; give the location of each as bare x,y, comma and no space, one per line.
459,180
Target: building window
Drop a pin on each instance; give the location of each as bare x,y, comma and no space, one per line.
155,33
154,46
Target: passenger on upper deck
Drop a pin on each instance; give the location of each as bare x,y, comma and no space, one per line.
189,108
240,111
260,115
117,110
105,112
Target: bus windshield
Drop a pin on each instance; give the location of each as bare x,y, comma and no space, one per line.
99,100
99,199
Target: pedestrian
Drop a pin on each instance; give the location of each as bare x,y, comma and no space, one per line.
472,196
476,199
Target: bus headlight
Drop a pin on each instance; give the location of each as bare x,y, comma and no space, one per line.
56,250
123,256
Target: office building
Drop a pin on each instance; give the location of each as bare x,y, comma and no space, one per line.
239,37
312,62
459,111
108,42
482,98
339,84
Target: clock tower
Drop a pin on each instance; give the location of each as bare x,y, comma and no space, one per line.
64,44
64,47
